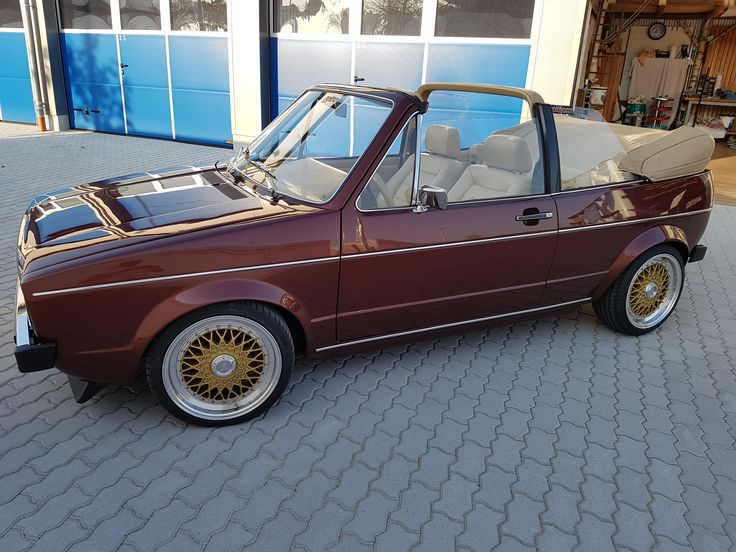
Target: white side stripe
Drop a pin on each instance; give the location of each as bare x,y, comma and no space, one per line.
180,276
452,324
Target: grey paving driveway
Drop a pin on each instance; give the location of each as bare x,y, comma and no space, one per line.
555,434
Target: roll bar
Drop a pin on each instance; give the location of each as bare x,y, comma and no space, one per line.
525,94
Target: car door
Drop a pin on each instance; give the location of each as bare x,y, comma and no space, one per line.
402,270
405,269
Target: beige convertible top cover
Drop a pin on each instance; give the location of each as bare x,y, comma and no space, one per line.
594,152
680,152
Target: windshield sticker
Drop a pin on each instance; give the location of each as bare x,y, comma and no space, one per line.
331,100
585,113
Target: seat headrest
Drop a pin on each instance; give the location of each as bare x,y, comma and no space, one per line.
443,140
506,152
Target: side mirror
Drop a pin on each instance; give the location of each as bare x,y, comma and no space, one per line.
432,196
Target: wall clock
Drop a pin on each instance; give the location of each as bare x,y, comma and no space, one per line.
657,30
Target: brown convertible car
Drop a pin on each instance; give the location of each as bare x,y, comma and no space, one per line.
359,217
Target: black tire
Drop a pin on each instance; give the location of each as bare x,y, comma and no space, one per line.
612,307
270,339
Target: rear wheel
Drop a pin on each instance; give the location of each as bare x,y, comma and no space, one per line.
644,296
221,365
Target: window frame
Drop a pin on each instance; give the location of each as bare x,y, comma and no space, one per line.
7,28
348,176
548,155
166,30
490,38
552,111
275,31
415,180
423,6
114,19
170,29
426,34
161,3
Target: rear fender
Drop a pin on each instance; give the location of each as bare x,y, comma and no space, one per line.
210,293
665,233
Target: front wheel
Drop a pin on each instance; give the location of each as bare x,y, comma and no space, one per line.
221,365
644,296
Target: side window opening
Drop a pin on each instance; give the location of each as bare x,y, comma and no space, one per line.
480,146
591,149
392,184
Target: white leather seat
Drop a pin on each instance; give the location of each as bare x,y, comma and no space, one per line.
506,170
438,167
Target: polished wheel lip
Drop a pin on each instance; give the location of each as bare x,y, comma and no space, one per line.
668,301
182,396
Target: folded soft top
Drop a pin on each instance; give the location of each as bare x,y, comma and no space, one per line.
680,152
596,152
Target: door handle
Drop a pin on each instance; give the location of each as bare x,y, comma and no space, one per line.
357,79
531,217
534,216
123,65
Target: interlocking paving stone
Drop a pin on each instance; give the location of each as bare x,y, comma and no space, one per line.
551,434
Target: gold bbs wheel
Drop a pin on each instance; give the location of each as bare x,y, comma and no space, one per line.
221,367
653,291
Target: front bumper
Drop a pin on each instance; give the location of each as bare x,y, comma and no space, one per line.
30,356
697,254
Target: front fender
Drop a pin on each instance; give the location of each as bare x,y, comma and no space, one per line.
665,233
221,291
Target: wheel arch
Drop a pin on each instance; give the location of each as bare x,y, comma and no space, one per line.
221,292
663,234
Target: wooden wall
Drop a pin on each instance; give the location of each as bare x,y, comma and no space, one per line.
721,60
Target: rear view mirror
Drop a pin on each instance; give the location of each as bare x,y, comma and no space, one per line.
432,196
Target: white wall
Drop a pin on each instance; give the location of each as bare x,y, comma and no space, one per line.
639,40
245,69
556,33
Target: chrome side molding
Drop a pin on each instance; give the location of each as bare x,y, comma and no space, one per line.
452,325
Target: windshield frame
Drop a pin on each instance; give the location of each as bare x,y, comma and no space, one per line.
380,133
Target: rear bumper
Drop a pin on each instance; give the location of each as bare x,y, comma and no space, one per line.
697,254
30,355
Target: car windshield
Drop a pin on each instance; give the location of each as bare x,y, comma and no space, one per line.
308,151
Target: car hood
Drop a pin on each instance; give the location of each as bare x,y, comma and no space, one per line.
90,218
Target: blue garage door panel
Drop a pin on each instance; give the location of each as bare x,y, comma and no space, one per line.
304,63
202,116
200,88
146,85
93,81
390,64
16,97
476,115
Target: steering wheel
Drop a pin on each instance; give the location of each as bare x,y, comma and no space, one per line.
382,190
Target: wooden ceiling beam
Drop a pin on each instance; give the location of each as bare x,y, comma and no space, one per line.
678,7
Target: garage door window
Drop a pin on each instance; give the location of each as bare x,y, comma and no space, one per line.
320,17
198,15
85,14
142,15
484,18
392,17
10,14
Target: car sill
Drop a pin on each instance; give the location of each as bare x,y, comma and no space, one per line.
451,325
